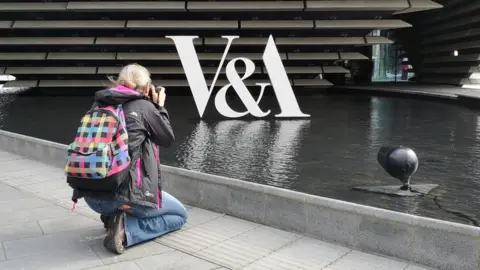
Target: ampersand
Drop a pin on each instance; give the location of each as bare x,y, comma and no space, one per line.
236,82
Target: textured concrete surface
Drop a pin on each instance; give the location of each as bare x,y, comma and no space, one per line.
39,231
440,91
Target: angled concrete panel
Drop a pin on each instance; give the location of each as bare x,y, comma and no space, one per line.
283,24
251,56
73,83
352,56
139,41
320,41
245,6
46,40
81,56
69,24
420,5
21,84
304,70
22,6
460,9
248,82
239,41
360,24
335,69
172,83
5,24
51,70
133,6
448,39
378,40
240,69
148,56
183,24
354,5
311,82
310,56
23,56
111,70
171,70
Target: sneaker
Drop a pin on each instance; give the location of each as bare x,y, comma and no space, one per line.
115,239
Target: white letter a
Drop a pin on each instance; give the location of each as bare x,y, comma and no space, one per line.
280,82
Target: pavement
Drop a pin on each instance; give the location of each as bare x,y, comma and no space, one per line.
38,230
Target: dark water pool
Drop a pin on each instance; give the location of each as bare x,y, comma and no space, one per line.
326,155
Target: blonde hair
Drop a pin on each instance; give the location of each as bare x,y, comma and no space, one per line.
133,76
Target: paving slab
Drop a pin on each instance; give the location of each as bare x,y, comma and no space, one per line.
119,266
2,254
416,267
175,260
140,251
19,231
72,260
361,260
39,231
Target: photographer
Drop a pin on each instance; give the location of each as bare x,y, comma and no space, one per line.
138,210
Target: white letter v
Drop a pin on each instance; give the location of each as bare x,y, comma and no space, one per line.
193,70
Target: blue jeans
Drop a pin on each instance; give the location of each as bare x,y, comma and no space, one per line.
145,223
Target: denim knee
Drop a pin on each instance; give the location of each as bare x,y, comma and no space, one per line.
174,222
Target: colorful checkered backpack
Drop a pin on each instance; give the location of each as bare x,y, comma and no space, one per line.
98,159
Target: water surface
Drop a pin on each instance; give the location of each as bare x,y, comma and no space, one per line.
328,154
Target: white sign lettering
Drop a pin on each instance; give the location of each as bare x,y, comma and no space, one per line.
201,92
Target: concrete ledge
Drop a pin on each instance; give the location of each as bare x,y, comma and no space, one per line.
37,149
435,243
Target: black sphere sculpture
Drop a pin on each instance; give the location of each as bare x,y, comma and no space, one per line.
399,162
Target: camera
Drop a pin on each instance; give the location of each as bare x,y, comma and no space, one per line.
157,90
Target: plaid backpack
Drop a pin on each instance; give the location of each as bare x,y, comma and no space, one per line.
98,159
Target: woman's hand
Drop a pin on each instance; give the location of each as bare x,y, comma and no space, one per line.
158,97
161,96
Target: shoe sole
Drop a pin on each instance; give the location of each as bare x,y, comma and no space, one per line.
111,242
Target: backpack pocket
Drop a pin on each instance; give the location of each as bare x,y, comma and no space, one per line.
92,161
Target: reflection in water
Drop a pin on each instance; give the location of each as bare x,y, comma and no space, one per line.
5,101
328,154
234,148
282,159
194,151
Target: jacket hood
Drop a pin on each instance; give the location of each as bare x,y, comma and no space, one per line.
117,95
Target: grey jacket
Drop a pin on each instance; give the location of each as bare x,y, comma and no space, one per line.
148,127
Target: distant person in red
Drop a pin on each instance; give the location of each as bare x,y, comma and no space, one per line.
404,67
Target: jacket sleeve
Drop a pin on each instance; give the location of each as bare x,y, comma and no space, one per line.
157,123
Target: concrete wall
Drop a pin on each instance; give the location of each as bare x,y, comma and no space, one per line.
431,242
431,42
